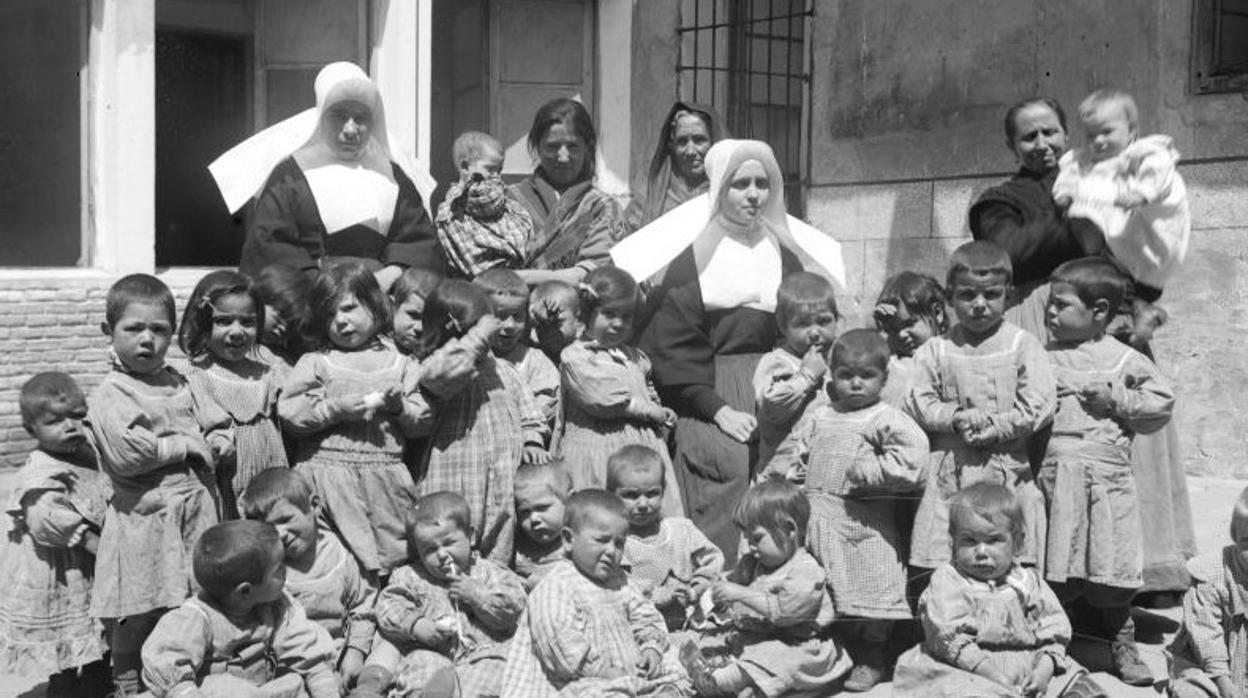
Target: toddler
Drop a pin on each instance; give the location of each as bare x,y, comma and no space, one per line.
1107,393
1131,189
284,291
542,489
1210,653
982,389
555,311
218,335
609,400
55,513
909,311
482,433
408,297
449,607
992,627
856,456
345,403
669,560
778,606
586,631
241,632
479,226
510,296
150,431
320,574
790,376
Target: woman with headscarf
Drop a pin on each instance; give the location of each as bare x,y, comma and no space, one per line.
716,262
333,187
678,168
575,224
1020,215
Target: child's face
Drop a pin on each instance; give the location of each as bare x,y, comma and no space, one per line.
513,316
596,548
1069,318
409,323
1107,130
274,331
979,301
641,489
295,527
352,325
764,547
906,331
443,549
489,163
612,325
58,429
141,336
804,330
856,384
982,549
233,327
539,512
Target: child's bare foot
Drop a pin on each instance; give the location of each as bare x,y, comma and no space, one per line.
699,670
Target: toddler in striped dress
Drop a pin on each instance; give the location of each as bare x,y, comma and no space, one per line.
857,455
542,490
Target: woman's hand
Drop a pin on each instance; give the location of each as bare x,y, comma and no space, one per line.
651,663
738,425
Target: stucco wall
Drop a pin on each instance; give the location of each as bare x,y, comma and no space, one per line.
908,97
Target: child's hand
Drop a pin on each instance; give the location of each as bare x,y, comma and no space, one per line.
725,592
222,449
1063,200
349,408
738,425
90,541
534,455
651,663
1041,675
465,590
990,672
431,635
1097,399
884,313
197,449
1226,687
668,417
392,400
350,667
1064,389
813,363
662,595
969,423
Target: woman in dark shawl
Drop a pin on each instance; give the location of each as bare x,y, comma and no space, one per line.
678,168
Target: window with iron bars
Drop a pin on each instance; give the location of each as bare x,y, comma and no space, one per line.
748,59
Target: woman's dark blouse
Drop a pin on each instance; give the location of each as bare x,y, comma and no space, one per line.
683,338
285,226
1020,216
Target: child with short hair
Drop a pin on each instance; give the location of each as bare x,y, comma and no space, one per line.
242,632
56,510
449,607
609,399
982,389
1131,189
408,297
158,445
320,574
510,296
1210,652
857,456
284,291
778,604
218,335
910,310
482,433
586,631
1107,393
479,226
346,402
992,627
542,490
790,376
555,311
669,560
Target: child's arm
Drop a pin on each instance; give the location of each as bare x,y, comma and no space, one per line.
900,452
1205,617
534,430
791,456
127,441
496,600
543,384
304,647
779,391
175,651
304,407
54,523
1035,397
1142,401
1066,185
926,403
649,630
557,628
359,598
1052,636
707,558
790,601
406,616
1151,174
216,424
599,385
416,413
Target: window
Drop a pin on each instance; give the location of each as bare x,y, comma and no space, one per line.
1220,46
748,59
43,51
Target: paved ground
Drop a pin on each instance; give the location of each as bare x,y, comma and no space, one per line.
1211,504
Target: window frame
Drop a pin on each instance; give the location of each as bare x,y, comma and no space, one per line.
1207,76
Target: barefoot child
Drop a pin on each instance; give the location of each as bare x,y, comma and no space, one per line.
449,607
542,490
859,456
242,632
586,631
669,560
56,510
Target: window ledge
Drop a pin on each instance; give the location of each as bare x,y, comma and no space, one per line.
14,277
